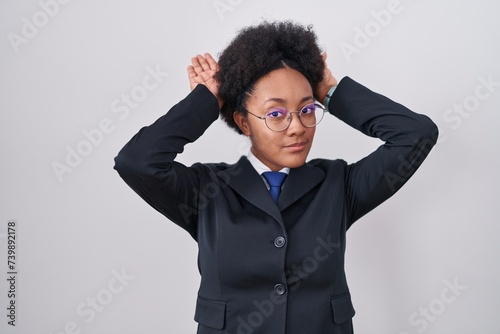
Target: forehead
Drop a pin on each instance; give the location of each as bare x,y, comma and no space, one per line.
284,84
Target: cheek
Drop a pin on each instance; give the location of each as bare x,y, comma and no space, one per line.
310,134
265,140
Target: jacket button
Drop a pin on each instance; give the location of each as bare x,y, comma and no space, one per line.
279,242
279,289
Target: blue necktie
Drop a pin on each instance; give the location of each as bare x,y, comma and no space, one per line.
275,180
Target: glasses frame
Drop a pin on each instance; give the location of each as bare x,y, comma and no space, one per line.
289,116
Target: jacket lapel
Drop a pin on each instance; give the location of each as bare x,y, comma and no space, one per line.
249,184
298,183
245,181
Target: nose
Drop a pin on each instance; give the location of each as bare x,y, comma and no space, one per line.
295,126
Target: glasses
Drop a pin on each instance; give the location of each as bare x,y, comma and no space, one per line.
279,119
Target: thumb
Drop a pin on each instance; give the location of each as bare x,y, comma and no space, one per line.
324,55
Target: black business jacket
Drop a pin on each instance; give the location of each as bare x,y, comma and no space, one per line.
268,268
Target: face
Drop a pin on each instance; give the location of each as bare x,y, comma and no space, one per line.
284,88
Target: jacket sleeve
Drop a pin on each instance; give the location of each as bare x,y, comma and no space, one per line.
146,163
408,138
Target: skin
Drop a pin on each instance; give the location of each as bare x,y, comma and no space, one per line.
285,88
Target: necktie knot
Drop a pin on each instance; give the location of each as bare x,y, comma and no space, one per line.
275,180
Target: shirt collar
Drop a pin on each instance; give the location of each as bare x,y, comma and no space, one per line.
259,165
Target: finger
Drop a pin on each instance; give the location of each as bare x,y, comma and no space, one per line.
191,72
194,61
192,77
203,62
211,62
197,66
324,55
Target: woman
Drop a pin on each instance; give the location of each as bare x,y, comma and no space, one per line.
271,245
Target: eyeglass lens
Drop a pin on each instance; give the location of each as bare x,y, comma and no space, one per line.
278,119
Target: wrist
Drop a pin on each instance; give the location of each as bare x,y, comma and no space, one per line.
326,98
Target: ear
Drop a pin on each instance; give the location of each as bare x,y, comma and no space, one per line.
242,123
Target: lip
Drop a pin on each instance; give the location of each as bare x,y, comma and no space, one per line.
296,146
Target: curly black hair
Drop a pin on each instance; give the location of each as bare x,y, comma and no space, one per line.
258,50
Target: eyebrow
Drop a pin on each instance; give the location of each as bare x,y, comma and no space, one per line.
280,100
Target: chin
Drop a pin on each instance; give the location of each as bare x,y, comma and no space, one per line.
296,162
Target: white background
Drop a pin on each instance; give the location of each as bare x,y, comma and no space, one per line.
76,229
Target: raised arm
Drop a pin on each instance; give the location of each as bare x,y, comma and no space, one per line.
146,162
408,138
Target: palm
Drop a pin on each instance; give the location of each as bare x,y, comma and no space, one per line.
202,71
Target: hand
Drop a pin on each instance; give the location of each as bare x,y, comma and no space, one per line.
202,71
328,81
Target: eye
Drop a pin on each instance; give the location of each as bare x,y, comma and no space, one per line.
276,113
308,109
